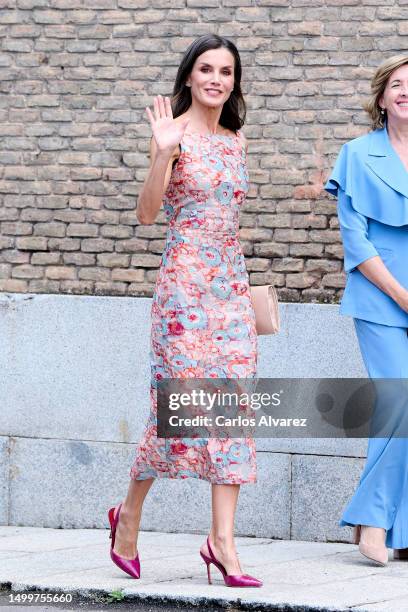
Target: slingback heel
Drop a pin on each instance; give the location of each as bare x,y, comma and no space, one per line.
241,580
130,566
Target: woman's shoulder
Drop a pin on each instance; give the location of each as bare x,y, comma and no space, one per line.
350,157
243,141
359,145
364,143
222,131
352,153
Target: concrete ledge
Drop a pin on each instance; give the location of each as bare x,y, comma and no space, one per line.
296,496
4,480
86,478
321,487
75,398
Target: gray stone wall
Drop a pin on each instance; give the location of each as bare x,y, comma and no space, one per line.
75,77
74,397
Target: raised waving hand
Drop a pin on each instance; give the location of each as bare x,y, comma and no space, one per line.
167,131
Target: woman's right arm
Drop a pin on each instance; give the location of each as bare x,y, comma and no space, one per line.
376,272
164,149
155,184
360,253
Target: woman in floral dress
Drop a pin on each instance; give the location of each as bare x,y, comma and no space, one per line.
203,323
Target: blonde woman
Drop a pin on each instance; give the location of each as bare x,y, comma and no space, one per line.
370,180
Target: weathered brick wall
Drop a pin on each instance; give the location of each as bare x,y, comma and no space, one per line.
75,77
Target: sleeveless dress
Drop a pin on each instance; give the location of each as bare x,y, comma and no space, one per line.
203,323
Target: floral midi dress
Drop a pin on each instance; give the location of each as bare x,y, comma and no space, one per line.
203,323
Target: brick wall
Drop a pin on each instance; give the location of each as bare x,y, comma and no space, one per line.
75,77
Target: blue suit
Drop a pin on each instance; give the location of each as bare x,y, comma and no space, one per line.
371,184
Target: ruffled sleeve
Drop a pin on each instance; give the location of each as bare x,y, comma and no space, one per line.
377,184
354,232
341,174
353,222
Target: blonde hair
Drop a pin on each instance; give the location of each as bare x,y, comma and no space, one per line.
378,85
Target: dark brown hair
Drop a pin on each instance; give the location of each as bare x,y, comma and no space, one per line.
234,109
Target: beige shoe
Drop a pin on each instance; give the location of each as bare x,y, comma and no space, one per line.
401,554
375,552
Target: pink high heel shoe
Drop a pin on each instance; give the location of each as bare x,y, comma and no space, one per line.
242,580
130,566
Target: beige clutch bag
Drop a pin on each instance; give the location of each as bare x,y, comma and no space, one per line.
265,304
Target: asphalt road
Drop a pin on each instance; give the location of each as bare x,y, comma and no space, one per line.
80,604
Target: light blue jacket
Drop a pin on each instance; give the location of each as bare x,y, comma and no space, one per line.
371,184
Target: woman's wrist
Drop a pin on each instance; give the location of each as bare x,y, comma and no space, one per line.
400,296
164,155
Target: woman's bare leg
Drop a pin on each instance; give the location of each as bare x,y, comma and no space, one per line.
127,530
224,503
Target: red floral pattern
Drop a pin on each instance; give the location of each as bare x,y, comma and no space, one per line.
203,324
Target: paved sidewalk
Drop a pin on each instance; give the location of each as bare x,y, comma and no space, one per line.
297,576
